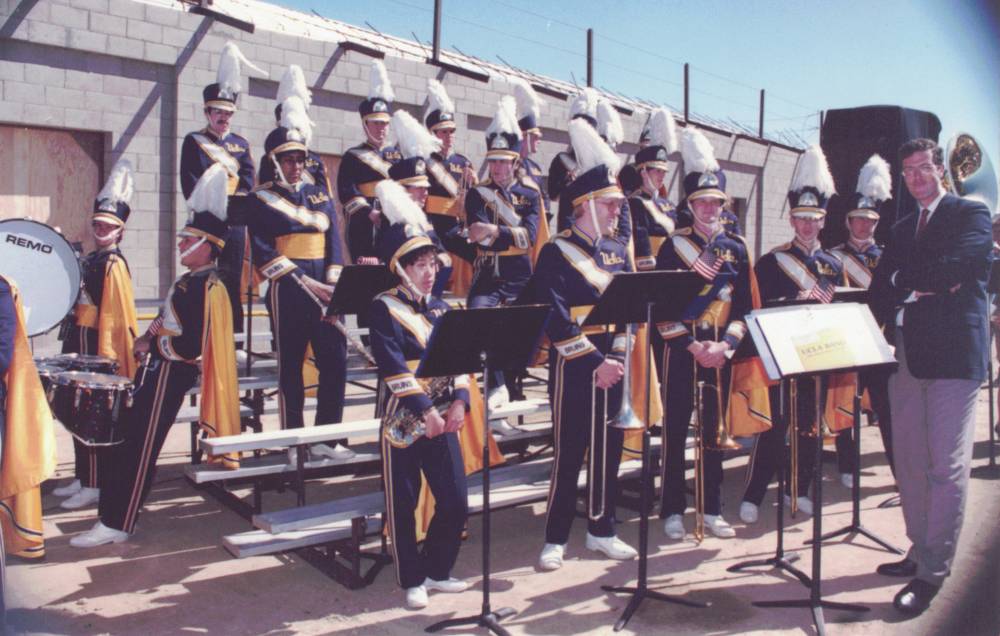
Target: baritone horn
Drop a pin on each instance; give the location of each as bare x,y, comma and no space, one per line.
626,419
969,172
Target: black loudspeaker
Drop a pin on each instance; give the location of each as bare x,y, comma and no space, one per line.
849,137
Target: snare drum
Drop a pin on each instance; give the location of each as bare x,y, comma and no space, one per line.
90,405
84,362
46,373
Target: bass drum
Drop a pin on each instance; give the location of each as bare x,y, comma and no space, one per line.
43,265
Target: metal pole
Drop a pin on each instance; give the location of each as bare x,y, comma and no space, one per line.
760,125
437,30
590,57
687,93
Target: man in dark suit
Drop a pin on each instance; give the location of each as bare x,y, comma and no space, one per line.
930,292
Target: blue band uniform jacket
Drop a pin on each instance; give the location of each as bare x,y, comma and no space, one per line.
313,174
505,264
653,220
859,263
361,168
203,148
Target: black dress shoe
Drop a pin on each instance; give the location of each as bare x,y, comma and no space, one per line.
905,568
915,597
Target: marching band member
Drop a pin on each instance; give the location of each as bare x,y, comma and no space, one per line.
574,268
364,165
296,241
860,256
529,107
799,269
217,144
401,323
197,329
563,168
629,176
503,217
696,349
653,218
104,321
451,175
293,83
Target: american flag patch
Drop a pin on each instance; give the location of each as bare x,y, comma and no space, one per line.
822,291
707,264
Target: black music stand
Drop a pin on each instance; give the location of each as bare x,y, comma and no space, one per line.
775,348
636,297
357,286
469,341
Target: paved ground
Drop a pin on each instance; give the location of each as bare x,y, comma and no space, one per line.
173,576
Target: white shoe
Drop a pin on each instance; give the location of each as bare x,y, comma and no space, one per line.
293,455
552,556
69,489
805,505
98,535
611,547
847,480
85,497
339,452
416,597
241,357
502,427
673,527
719,526
748,512
451,585
498,397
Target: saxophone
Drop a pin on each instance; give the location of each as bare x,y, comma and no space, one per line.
404,427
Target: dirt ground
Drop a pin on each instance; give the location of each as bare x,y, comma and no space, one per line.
174,576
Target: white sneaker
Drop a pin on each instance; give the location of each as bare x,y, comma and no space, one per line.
805,505
498,397
68,490
611,547
98,535
719,526
502,427
293,456
339,451
241,357
451,585
673,527
748,512
416,597
552,556
847,480
85,497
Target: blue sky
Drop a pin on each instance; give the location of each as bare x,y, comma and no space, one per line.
941,56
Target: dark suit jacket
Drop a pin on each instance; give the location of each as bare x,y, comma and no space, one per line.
945,335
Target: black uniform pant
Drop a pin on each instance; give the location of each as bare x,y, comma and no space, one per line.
297,321
574,435
679,378
440,461
88,460
159,393
489,292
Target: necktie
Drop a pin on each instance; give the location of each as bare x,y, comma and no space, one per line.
922,222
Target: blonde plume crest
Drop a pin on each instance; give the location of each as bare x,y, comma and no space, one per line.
696,150
398,207
875,179
211,192
813,171
120,184
378,82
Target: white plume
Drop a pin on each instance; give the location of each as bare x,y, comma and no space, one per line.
398,207
813,171
528,102
228,76
437,98
590,149
875,179
609,123
293,82
584,103
505,118
378,82
120,183
696,150
414,139
295,118
211,192
663,130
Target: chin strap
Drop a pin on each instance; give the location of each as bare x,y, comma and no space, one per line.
281,174
110,236
190,250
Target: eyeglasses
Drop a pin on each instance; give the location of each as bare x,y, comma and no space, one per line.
925,168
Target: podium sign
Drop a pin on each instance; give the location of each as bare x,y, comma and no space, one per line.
816,338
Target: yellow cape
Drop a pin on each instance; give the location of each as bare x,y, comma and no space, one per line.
220,410
29,449
117,327
749,409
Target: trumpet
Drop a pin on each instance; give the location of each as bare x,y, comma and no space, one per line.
626,419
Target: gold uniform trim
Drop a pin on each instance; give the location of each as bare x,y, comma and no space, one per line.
301,246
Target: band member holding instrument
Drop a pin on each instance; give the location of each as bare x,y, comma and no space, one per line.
365,165
402,319
653,218
695,357
503,217
293,83
451,176
196,331
860,255
217,144
103,322
296,240
586,365
798,269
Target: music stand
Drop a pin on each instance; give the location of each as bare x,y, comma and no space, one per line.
635,297
467,341
357,287
816,340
